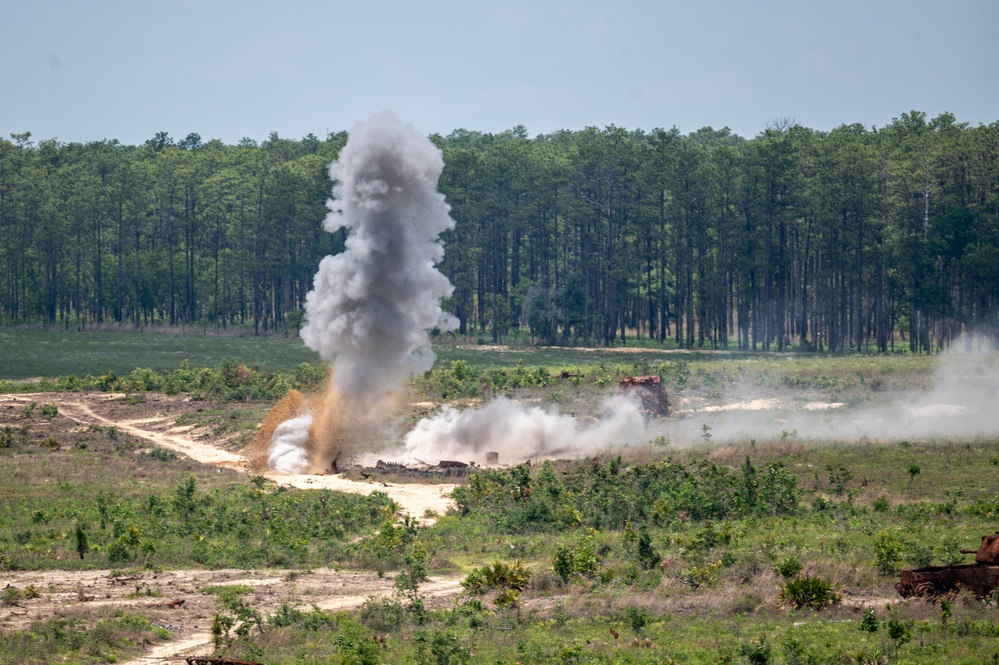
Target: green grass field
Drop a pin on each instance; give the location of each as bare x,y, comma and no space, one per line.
39,353
665,556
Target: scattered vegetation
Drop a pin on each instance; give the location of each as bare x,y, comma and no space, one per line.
105,635
696,554
228,381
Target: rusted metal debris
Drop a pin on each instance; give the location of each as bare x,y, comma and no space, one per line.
938,581
201,660
650,391
987,553
122,581
425,470
980,578
171,604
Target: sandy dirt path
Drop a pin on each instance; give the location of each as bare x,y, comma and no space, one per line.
420,501
189,622
200,643
179,605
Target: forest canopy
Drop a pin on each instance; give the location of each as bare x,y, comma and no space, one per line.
852,239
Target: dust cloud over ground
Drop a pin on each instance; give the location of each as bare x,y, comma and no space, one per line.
960,400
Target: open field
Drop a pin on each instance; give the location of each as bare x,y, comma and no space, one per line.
35,353
677,551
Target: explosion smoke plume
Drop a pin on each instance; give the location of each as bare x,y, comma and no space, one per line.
372,305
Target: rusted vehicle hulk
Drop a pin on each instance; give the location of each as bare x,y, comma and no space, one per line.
980,578
650,391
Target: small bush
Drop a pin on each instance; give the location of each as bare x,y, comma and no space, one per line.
382,615
49,411
637,618
869,622
440,648
11,596
807,591
497,575
285,616
162,454
758,653
788,567
580,559
887,551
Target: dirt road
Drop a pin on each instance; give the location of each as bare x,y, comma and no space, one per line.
420,501
173,599
157,594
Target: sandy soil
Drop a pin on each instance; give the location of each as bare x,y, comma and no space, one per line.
156,423
190,621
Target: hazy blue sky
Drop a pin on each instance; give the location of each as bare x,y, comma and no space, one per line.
87,70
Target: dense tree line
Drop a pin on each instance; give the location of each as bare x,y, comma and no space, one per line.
850,239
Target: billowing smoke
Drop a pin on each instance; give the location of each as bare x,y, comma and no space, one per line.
373,305
523,432
288,453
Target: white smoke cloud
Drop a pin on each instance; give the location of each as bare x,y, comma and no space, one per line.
287,452
517,432
961,400
372,306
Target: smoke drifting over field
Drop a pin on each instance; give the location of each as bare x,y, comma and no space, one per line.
373,306
524,432
370,313
960,400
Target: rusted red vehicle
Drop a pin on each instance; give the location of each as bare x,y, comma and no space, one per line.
980,578
650,391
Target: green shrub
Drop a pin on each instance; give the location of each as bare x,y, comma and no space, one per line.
807,591
382,615
701,576
648,557
497,575
788,567
887,552
49,411
637,618
869,622
162,454
11,596
285,616
579,560
440,648
758,653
